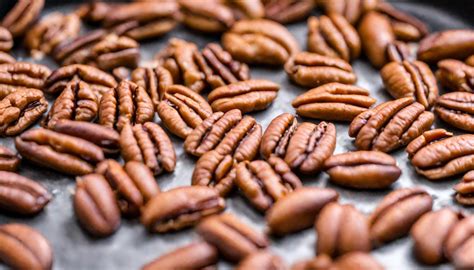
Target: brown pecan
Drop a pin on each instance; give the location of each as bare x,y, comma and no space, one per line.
363,169
24,248
199,255
22,195
376,34
22,16
22,75
78,50
181,110
209,16
263,260
9,161
390,125
398,51
352,10
180,208
234,239
95,12
52,30
263,182
333,36
220,68
95,205
246,9
287,11
411,79
335,237
114,51
465,190
99,81
21,109
181,59
121,73
76,102
6,40
397,212
128,103
351,261
333,101
247,96
148,143
5,58
260,41
154,81
426,138
312,70
457,109
277,135
459,245
457,44
455,75
63,153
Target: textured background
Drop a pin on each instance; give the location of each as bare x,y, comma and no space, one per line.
132,247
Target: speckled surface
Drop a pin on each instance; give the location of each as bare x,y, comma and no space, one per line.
132,247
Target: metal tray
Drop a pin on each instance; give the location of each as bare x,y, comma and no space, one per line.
131,247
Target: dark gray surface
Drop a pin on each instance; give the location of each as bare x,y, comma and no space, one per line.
132,246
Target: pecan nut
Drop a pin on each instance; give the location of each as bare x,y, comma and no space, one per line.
154,81
207,16
277,135
312,70
5,58
426,138
287,11
459,244
260,41
399,51
263,260
455,75
352,10
350,261
22,75
457,109
465,190
457,44
115,51
9,161
390,125
6,40
333,101
78,49
247,9
22,16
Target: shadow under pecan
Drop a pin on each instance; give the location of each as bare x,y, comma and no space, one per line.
246,9
154,81
22,16
9,161
390,125
18,75
457,44
6,40
454,75
21,109
63,153
182,109
5,58
149,144
352,10
457,109
288,11
333,101
465,190
260,41
208,16
312,70
76,102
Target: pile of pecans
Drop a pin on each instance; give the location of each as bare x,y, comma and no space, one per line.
104,109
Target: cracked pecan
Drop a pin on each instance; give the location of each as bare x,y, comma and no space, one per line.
455,75
333,101
390,125
457,44
333,36
6,40
457,109
312,70
22,75
465,189
154,81
22,16
260,41
288,11
352,10
21,109
411,79
182,109
148,143
208,16
9,161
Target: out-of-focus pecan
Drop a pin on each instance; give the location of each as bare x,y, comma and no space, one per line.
390,125
58,151
22,75
76,102
114,51
260,41
121,73
246,9
457,109
78,50
220,68
100,82
128,103
22,16
52,30
333,36
411,79
209,16
9,161
5,58
399,51
311,70
459,245
350,261
154,81
263,260
470,60
247,96
465,189
181,110
6,40
276,138
148,143
457,44
455,75
333,101
143,179
21,109
263,182
287,11
94,12
352,10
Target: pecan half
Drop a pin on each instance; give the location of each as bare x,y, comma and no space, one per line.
9,161
426,138
333,101
390,125
457,109
455,75
457,44
154,81
287,11
78,49
63,153
352,260
21,109
311,70
352,10
277,136
264,183
333,36
247,96
115,51
260,41
246,9
411,79
399,51
459,244
465,190
263,260
148,143
182,109
22,75
6,40
207,16
22,16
